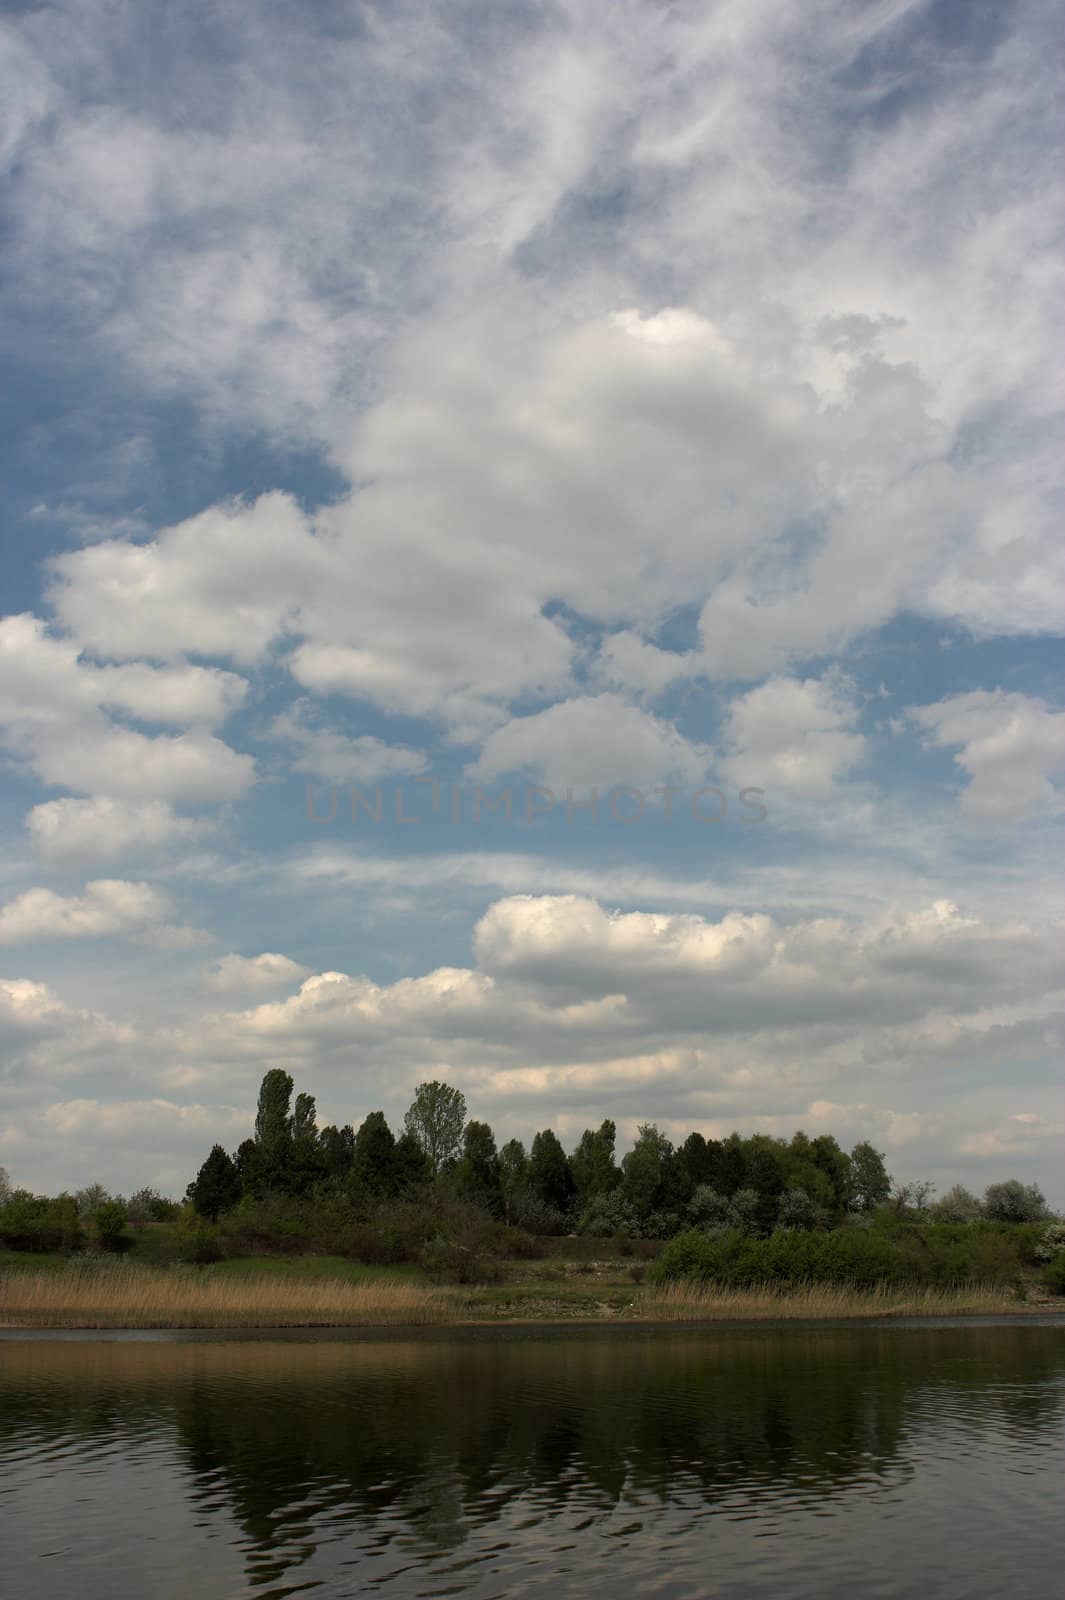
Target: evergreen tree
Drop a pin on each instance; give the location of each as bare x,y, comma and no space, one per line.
550,1178
477,1176
732,1173
336,1149
373,1167
217,1186
410,1163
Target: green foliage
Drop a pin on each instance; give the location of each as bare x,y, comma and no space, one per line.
611,1216
147,1206
107,1227
1051,1243
194,1238
436,1118
34,1222
270,1167
1053,1274
477,1176
373,1166
957,1205
217,1185
937,1254
870,1184
550,1177
513,1178
1013,1201
592,1163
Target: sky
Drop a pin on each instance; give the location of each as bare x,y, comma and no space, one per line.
647,413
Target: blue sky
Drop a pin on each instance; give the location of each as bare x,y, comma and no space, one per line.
503,397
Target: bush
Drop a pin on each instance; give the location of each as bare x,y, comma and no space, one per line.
1053,1275
195,1239
453,1263
107,1227
939,1254
1051,1243
34,1222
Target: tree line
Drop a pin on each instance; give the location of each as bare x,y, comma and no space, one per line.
755,1183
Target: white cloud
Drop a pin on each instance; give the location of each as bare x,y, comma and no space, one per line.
793,736
1012,746
224,583
108,906
591,742
51,718
70,832
266,971
337,757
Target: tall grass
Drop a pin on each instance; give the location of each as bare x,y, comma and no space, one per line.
682,1301
130,1296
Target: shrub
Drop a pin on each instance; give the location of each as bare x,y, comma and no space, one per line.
1051,1243
107,1226
34,1222
1015,1202
1053,1275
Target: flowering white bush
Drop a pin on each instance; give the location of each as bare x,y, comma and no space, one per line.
1052,1243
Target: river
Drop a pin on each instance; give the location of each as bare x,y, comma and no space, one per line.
891,1460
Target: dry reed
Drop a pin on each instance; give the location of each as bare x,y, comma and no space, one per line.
707,1302
145,1297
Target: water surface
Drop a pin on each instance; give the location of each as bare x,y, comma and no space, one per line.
884,1461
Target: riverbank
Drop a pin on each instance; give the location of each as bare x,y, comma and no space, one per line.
123,1295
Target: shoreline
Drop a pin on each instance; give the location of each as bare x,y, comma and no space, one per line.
1037,1315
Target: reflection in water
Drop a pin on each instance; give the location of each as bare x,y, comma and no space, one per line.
675,1463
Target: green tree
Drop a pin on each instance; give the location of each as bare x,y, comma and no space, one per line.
148,1205
336,1150
108,1226
765,1161
592,1162
436,1118
217,1186
550,1178
91,1198
411,1164
1013,1201
306,1161
732,1166
273,1130
477,1176
957,1205
5,1186
645,1169
835,1163
871,1184
373,1166
513,1178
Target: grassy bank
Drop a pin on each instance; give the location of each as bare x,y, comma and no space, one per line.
309,1292
88,1296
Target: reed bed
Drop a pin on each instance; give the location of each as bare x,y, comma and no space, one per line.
707,1302
133,1296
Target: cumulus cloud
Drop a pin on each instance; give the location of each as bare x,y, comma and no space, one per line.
52,718
1011,746
793,736
593,741
70,832
267,971
108,907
